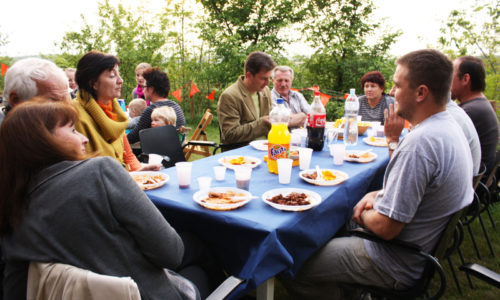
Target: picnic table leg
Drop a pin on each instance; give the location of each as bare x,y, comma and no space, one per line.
265,291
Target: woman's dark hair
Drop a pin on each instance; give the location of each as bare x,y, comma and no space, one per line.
27,145
90,66
375,77
157,79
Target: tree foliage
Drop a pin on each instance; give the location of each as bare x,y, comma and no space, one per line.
475,32
339,31
123,33
234,28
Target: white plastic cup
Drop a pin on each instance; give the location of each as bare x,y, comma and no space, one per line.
183,174
305,158
155,159
204,182
220,173
243,175
338,153
284,170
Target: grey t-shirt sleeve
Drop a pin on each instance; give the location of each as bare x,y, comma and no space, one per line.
404,191
156,239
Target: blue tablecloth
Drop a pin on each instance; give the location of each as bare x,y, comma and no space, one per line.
256,242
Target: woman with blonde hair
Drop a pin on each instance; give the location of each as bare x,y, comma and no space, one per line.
60,206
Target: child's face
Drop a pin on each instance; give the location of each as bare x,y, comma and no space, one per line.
157,122
139,78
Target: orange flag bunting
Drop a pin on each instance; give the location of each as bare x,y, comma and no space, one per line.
4,69
177,94
295,90
194,90
211,96
324,98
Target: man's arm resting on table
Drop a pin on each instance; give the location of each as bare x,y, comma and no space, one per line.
297,120
381,225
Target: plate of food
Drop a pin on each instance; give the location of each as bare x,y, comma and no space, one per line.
375,141
260,145
291,199
233,161
329,177
360,156
149,180
222,198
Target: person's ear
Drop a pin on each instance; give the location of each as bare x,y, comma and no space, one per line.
422,92
14,99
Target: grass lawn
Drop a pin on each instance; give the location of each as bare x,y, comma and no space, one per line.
481,291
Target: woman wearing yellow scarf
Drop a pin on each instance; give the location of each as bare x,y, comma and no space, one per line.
101,119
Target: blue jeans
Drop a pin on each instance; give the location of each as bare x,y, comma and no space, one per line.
333,271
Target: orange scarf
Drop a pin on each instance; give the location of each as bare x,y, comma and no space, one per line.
108,110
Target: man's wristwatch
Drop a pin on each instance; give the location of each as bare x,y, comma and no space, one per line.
392,146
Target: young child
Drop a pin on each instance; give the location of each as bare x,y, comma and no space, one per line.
135,109
138,92
162,116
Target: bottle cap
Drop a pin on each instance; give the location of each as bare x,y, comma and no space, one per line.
279,100
316,93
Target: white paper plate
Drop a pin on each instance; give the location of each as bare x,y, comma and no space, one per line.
341,177
260,145
249,161
370,156
199,196
314,199
379,141
143,176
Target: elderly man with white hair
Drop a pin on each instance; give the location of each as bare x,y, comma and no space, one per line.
295,101
32,77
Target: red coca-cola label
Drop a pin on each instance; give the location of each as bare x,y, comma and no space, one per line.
316,120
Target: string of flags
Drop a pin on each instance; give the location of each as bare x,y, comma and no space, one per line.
194,90
3,69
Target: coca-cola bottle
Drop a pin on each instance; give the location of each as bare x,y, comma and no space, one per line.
316,120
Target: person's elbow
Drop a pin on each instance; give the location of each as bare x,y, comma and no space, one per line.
383,226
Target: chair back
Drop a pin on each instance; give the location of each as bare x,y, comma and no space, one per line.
479,176
164,141
199,135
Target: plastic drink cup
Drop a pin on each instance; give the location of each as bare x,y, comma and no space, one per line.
305,158
243,175
284,170
220,173
338,153
204,182
155,159
183,174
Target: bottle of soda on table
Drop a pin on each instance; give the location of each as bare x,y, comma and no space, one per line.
278,139
316,120
351,108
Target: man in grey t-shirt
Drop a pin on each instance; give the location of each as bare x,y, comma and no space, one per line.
429,177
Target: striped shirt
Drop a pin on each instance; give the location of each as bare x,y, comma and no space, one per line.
145,120
296,103
376,113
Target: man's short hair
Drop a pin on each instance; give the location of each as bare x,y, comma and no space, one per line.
258,61
282,69
157,79
375,77
475,68
22,77
431,68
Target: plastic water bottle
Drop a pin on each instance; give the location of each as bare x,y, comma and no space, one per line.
351,109
316,120
278,139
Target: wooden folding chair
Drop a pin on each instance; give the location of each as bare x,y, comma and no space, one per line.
199,143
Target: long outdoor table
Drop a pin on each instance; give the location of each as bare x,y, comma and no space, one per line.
256,242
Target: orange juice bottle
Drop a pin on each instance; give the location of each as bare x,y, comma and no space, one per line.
278,139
